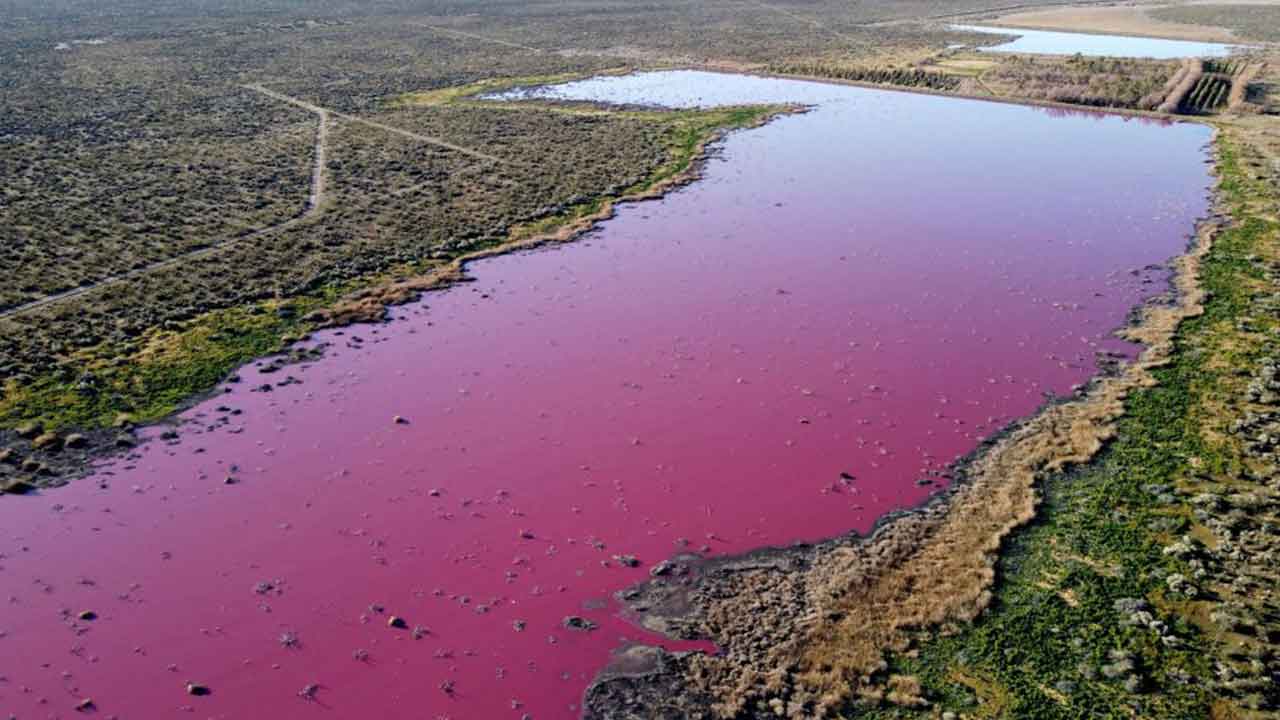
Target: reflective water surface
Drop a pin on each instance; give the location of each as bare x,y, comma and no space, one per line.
1050,42
869,288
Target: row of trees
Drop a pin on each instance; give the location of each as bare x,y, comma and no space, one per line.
909,77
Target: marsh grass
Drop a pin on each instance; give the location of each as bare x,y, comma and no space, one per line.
1044,647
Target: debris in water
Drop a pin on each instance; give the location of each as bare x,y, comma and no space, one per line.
662,568
574,622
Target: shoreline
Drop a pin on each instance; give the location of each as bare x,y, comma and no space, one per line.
1025,102
70,462
370,304
901,550
894,567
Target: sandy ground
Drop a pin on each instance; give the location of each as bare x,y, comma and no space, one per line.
1122,20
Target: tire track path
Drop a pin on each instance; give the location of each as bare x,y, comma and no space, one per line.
473,36
431,140
315,199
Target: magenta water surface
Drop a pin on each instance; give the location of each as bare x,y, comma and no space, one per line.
868,288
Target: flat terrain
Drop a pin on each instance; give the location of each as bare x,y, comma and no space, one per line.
1116,19
1248,20
187,187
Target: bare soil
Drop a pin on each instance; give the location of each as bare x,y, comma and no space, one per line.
1114,20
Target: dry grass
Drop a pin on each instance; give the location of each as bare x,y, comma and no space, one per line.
1245,20
1180,84
1098,82
1114,19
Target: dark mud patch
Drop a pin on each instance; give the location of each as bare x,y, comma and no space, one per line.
41,460
645,682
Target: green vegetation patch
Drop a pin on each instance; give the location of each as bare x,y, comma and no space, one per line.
1093,616
688,131
150,379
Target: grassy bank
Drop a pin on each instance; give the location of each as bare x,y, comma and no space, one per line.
1112,603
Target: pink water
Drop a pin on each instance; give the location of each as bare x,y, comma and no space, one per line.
869,288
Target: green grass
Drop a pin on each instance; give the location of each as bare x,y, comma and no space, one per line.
688,132
1100,533
691,128
151,379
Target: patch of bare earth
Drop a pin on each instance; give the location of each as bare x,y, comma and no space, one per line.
1114,20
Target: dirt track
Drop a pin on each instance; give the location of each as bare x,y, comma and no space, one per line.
315,199
373,123
314,205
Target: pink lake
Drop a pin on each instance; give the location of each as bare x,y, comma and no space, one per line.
871,288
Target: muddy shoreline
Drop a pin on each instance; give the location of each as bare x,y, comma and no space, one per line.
802,629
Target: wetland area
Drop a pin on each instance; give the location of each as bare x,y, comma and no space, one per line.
433,519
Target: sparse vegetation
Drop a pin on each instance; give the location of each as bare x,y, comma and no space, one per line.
1249,22
1147,585
145,373
1097,82
128,138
